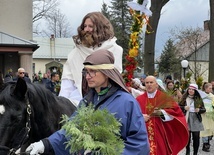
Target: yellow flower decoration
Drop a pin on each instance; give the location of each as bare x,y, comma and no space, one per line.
131,59
133,52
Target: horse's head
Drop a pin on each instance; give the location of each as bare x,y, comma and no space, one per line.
29,110
13,113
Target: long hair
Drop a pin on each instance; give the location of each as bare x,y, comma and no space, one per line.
186,94
102,29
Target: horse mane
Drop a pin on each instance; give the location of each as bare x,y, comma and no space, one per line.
38,91
47,107
35,92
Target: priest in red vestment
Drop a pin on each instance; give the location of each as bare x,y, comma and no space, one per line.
166,125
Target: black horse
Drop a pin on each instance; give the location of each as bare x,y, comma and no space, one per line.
28,113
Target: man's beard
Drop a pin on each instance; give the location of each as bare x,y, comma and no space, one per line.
87,39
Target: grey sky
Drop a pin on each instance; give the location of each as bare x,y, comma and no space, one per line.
176,13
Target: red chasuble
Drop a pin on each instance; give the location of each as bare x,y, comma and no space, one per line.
166,138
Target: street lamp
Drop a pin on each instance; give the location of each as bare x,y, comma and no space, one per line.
184,64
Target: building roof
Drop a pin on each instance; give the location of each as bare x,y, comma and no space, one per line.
7,40
54,48
201,54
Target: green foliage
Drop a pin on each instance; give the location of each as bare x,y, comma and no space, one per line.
185,82
199,81
169,63
198,102
105,10
118,14
121,19
98,131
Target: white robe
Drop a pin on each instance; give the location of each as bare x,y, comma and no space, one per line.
71,81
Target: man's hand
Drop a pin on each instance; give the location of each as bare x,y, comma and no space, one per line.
36,148
157,112
146,117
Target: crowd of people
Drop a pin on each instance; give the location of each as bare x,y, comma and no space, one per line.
197,106
52,83
157,117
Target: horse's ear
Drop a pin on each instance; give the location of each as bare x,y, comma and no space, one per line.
20,89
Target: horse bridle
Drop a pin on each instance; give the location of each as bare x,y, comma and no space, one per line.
24,133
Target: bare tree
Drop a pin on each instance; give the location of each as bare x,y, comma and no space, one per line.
188,42
42,8
58,25
149,52
46,11
211,51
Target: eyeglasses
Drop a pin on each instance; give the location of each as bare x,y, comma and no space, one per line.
21,72
91,73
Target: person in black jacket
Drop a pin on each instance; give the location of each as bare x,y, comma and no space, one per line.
22,74
45,78
51,85
193,106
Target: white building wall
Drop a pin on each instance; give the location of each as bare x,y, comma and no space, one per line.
202,69
40,64
16,18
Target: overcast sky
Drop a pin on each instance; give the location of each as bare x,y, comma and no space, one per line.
176,13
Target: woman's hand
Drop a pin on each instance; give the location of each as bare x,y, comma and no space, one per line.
197,109
187,108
